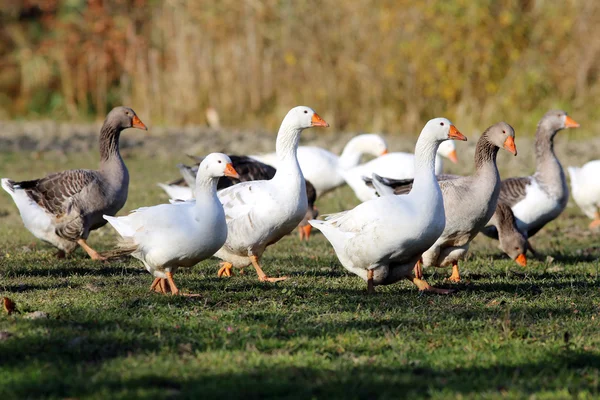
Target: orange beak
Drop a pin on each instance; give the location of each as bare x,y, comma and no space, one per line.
137,123
521,260
570,122
318,121
453,157
304,231
383,153
231,172
509,144
455,134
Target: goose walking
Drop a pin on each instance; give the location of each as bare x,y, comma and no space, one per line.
381,239
469,201
63,208
168,236
538,199
259,213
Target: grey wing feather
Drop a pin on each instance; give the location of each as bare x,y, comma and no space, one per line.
513,190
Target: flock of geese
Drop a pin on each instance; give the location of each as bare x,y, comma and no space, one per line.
233,207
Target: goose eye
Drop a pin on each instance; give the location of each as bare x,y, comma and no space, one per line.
219,161
441,124
503,131
305,112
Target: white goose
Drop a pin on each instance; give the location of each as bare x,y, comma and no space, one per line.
323,168
585,186
397,165
259,213
169,236
381,240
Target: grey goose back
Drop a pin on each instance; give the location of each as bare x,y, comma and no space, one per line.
62,208
469,201
538,199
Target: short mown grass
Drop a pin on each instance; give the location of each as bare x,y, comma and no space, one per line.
508,331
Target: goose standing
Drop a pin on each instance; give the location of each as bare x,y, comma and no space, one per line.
259,213
397,165
168,236
63,208
538,199
469,201
325,169
585,184
380,240
248,169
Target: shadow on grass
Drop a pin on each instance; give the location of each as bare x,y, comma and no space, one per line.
269,380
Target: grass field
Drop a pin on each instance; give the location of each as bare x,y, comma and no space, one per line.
509,332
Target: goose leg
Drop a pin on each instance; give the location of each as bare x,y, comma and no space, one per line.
261,275
174,289
304,231
370,286
426,287
94,255
164,286
419,270
225,269
596,222
455,277
155,285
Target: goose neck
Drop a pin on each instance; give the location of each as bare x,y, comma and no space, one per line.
206,188
350,156
425,152
485,154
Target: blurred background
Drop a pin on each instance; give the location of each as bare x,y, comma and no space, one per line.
364,65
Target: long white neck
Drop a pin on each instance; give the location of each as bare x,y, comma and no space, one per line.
206,189
350,157
286,150
425,153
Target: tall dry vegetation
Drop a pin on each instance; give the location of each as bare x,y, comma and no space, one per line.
364,64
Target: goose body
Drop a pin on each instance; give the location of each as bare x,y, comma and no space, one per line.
63,208
259,213
323,168
168,236
538,199
585,186
381,239
469,201
396,165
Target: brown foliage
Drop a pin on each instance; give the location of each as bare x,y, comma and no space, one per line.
364,64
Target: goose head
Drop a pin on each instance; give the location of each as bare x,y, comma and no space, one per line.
216,165
123,118
440,129
515,246
303,117
503,136
448,149
555,120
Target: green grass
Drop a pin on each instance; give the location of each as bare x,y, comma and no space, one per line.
508,332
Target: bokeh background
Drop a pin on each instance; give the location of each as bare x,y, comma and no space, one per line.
365,65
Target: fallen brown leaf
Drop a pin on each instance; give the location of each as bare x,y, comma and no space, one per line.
9,305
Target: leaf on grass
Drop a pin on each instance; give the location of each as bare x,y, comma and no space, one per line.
9,305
